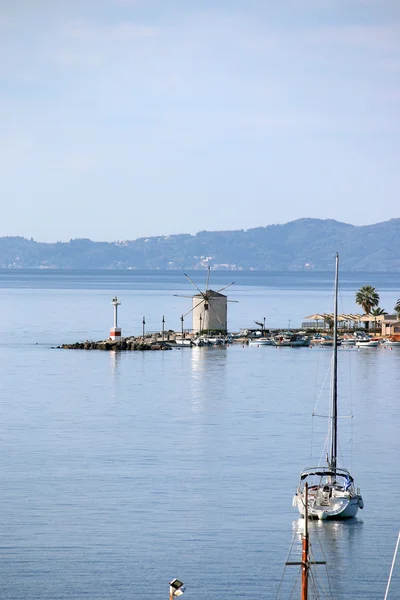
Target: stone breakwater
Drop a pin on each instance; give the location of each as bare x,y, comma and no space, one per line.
123,344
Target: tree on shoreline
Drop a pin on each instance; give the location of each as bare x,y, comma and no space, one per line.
397,308
376,312
368,298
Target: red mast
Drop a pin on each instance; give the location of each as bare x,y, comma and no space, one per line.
305,558
305,553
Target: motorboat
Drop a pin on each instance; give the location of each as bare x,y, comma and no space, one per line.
262,341
332,493
180,343
215,341
347,341
199,341
293,340
205,340
328,343
391,343
367,343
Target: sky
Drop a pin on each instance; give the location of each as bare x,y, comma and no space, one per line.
122,119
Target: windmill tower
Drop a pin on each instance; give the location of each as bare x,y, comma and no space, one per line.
209,308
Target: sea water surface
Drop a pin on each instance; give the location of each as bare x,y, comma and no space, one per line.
121,471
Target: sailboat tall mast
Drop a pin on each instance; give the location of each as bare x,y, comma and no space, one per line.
335,496
333,457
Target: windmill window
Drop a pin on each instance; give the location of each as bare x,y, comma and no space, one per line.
205,306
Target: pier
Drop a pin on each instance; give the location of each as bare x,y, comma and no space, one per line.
129,343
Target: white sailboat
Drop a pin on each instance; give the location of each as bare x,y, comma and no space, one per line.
332,493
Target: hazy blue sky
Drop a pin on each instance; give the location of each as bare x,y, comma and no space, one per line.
129,118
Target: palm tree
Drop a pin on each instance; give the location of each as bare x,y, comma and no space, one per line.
328,320
376,312
368,298
397,308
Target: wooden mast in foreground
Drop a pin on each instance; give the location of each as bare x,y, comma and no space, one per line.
305,558
305,553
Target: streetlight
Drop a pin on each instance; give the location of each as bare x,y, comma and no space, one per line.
163,323
143,323
176,588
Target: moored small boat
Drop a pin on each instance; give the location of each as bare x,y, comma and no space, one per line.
215,341
367,343
348,341
179,343
391,343
291,340
198,341
328,343
260,342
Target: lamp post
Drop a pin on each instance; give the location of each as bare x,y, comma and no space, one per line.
182,326
264,327
143,324
163,323
200,319
176,588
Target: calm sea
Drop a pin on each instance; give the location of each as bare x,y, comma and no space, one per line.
119,472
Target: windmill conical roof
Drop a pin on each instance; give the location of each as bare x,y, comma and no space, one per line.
209,293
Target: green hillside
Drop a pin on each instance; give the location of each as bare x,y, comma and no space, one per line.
295,246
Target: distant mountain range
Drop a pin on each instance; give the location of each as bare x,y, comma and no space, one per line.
304,244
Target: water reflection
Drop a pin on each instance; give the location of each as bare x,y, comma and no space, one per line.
333,534
338,543
208,373
115,375
115,359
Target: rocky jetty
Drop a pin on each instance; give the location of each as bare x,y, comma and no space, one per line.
120,345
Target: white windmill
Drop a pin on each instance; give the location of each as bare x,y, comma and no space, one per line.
209,308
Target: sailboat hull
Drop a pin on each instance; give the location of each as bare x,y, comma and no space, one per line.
338,508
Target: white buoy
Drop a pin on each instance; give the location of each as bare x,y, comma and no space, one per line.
115,332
